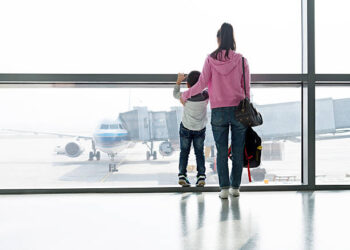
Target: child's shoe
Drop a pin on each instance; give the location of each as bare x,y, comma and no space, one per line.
183,181
200,181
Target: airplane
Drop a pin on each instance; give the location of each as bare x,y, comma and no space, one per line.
109,137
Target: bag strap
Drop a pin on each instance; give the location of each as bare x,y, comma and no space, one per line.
248,167
245,92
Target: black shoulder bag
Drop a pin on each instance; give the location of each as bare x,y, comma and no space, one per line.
245,112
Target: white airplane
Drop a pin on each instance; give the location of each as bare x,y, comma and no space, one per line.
110,137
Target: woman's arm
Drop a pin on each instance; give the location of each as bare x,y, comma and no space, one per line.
247,78
202,83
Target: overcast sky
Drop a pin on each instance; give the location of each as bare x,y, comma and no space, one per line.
138,36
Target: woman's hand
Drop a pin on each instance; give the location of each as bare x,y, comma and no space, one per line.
180,78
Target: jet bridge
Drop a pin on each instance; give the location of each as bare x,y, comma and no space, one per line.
282,121
148,127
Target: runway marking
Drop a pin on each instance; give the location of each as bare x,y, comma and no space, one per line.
109,173
106,176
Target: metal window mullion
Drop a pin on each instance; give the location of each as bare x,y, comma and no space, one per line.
124,78
308,94
333,78
272,188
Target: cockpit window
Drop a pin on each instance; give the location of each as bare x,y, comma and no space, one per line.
114,126
104,126
121,126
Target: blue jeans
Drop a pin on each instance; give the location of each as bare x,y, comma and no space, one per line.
186,138
221,119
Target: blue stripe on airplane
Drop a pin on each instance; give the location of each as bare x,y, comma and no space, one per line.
111,134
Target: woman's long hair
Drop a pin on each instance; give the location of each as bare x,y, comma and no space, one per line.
227,41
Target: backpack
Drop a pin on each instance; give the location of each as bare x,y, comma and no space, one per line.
252,151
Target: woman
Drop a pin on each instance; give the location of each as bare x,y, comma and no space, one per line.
222,74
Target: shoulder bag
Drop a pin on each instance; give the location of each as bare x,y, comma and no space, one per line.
245,112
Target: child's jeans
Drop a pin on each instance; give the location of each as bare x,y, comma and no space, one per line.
186,138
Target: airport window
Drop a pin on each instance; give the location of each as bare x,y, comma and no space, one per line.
332,135
38,151
137,36
89,72
332,38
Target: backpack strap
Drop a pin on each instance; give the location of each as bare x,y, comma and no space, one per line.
248,167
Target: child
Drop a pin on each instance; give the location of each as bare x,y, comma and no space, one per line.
192,128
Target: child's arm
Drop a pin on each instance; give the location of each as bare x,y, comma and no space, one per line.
176,91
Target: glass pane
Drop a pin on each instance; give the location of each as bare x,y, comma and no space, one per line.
332,36
281,133
47,134
332,135
136,36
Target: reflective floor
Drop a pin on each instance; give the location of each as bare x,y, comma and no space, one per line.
259,220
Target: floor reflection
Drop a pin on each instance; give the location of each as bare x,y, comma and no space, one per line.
180,221
202,229
188,215
308,205
252,221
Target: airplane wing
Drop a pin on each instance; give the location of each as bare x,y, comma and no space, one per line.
48,133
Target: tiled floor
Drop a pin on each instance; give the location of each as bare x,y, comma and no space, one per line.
260,220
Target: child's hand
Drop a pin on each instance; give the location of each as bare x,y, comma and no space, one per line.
180,78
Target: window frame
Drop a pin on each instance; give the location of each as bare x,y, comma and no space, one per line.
307,80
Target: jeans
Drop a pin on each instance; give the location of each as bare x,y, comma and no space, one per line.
221,119
186,138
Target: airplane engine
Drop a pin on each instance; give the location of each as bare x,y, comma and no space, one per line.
166,149
73,149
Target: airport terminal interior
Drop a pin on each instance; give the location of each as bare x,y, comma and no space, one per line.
90,134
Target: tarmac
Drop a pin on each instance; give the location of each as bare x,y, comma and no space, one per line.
29,161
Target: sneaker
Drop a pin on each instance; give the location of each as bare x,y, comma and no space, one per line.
183,181
224,193
200,181
234,192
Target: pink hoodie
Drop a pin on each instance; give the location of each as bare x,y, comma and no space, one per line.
224,80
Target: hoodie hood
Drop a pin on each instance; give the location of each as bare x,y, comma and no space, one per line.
224,66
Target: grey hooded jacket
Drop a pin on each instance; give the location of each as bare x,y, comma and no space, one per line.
195,110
